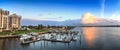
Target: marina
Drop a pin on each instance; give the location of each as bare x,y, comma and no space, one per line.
91,38
53,36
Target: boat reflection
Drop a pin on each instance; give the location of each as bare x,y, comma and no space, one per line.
90,35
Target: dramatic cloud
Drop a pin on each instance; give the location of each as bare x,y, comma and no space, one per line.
89,18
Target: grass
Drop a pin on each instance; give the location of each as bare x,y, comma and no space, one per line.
5,33
22,32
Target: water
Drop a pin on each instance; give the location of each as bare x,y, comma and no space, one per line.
89,38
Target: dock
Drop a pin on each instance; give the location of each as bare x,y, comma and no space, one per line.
56,36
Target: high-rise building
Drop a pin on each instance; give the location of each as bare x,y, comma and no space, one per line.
8,22
4,17
15,21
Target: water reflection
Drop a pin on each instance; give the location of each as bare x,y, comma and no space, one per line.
8,44
89,38
90,35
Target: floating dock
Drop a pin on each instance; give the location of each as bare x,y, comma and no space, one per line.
53,37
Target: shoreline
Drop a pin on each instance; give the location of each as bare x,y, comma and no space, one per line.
9,36
24,32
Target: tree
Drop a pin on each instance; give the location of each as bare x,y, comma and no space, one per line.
40,26
48,26
30,26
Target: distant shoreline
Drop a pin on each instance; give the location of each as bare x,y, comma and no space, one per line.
102,26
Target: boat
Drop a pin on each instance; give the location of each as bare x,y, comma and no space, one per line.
68,36
64,40
26,42
74,38
50,39
25,39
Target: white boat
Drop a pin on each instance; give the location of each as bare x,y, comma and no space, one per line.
74,38
25,39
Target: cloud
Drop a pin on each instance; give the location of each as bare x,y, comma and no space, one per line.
102,8
60,17
50,16
45,14
115,16
40,14
89,18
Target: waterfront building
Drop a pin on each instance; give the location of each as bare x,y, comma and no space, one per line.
4,20
8,22
15,21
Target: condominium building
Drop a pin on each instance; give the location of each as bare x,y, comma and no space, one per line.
15,21
4,17
8,22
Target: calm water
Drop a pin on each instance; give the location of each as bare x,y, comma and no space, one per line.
89,38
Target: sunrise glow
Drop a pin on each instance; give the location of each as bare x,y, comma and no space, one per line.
90,35
88,18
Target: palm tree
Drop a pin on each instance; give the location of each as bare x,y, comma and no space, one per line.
40,26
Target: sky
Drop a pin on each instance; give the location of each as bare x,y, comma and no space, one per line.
61,10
